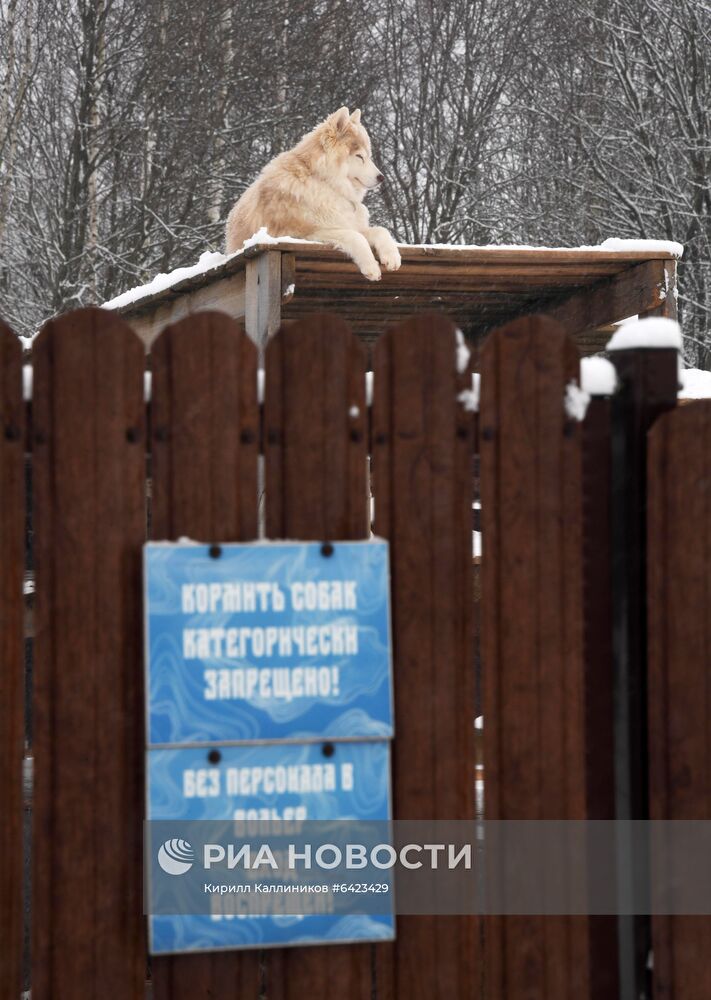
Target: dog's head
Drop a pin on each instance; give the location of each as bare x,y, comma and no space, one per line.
347,147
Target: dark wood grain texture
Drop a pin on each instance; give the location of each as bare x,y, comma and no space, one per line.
88,454
204,446
636,289
668,293
423,487
315,439
532,642
597,597
647,387
12,514
679,689
598,660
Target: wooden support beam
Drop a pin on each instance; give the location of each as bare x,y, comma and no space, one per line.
226,295
668,305
638,290
288,277
263,289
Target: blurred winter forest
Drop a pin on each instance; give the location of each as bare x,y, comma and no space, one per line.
129,127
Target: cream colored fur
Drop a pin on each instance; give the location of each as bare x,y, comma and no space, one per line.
315,192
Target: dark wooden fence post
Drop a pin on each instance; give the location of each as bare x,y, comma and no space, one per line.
315,441
648,384
88,454
204,447
598,660
12,514
679,630
423,486
532,632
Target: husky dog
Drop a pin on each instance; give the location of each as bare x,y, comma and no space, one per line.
315,192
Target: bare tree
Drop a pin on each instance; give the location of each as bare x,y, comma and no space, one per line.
16,38
441,112
616,136
128,129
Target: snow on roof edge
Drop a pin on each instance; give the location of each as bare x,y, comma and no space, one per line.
208,261
612,244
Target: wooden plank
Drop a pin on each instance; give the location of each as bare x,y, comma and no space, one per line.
599,674
422,478
532,650
459,296
12,523
263,291
426,261
315,424
635,290
647,387
479,308
315,451
456,274
204,444
597,597
232,266
503,254
288,276
679,630
668,306
226,295
88,441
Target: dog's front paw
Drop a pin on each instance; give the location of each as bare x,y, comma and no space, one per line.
371,271
390,258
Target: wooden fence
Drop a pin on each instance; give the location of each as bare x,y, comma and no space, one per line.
555,494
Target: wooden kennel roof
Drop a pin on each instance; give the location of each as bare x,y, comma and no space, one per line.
272,282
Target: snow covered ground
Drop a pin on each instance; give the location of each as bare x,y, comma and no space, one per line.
695,384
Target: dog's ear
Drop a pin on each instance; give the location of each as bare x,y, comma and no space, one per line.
355,117
339,119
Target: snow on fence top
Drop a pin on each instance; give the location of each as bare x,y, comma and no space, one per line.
597,376
211,261
654,331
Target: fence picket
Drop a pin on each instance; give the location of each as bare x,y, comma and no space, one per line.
599,673
12,516
557,497
679,635
315,441
534,747
88,454
204,446
422,479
